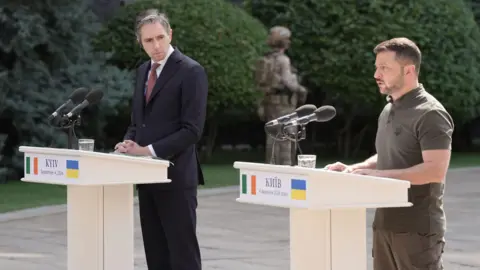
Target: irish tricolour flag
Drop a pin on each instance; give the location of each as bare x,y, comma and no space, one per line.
249,184
31,165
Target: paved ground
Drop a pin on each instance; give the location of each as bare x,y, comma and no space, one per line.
236,236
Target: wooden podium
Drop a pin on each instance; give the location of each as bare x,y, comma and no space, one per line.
100,200
327,210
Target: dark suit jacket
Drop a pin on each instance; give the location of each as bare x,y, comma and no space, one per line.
173,119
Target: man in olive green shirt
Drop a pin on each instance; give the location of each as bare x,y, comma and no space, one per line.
413,143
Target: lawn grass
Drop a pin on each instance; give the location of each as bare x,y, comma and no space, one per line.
461,160
218,172
16,195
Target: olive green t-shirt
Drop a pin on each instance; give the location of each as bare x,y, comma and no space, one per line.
406,127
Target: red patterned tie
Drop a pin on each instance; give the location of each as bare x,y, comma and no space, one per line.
151,81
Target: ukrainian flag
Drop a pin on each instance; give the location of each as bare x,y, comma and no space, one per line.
72,168
299,189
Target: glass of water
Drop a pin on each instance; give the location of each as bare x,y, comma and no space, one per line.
86,144
308,161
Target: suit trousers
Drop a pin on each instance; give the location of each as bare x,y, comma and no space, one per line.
168,219
407,251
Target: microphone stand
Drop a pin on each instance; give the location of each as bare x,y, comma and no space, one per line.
70,124
292,134
295,137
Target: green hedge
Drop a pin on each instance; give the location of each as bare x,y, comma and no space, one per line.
45,53
220,36
333,42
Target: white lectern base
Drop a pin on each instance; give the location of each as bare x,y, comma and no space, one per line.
100,227
328,239
327,210
100,200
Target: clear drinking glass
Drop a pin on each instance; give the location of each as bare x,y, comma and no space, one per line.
308,161
86,144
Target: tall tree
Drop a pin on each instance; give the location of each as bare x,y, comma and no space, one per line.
45,53
333,42
225,39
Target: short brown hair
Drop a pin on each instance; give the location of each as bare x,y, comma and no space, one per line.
404,49
150,16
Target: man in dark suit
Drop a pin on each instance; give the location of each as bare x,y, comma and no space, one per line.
168,115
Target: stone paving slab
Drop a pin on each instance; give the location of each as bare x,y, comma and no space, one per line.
236,236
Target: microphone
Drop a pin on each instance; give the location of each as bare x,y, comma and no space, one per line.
322,114
92,97
299,112
76,97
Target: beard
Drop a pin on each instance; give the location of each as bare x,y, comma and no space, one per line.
388,88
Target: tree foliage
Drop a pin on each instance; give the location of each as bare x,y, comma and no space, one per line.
219,35
475,7
333,45
45,53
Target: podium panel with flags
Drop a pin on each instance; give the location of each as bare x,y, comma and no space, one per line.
327,210
100,203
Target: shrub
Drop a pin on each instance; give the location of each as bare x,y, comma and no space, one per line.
45,53
333,42
219,35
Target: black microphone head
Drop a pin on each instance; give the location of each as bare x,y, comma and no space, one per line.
305,110
325,113
78,95
274,130
94,96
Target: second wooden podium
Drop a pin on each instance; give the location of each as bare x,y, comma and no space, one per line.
327,210
100,216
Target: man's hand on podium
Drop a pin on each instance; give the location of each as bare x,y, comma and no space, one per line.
120,148
132,148
339,167
370,172
368,167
